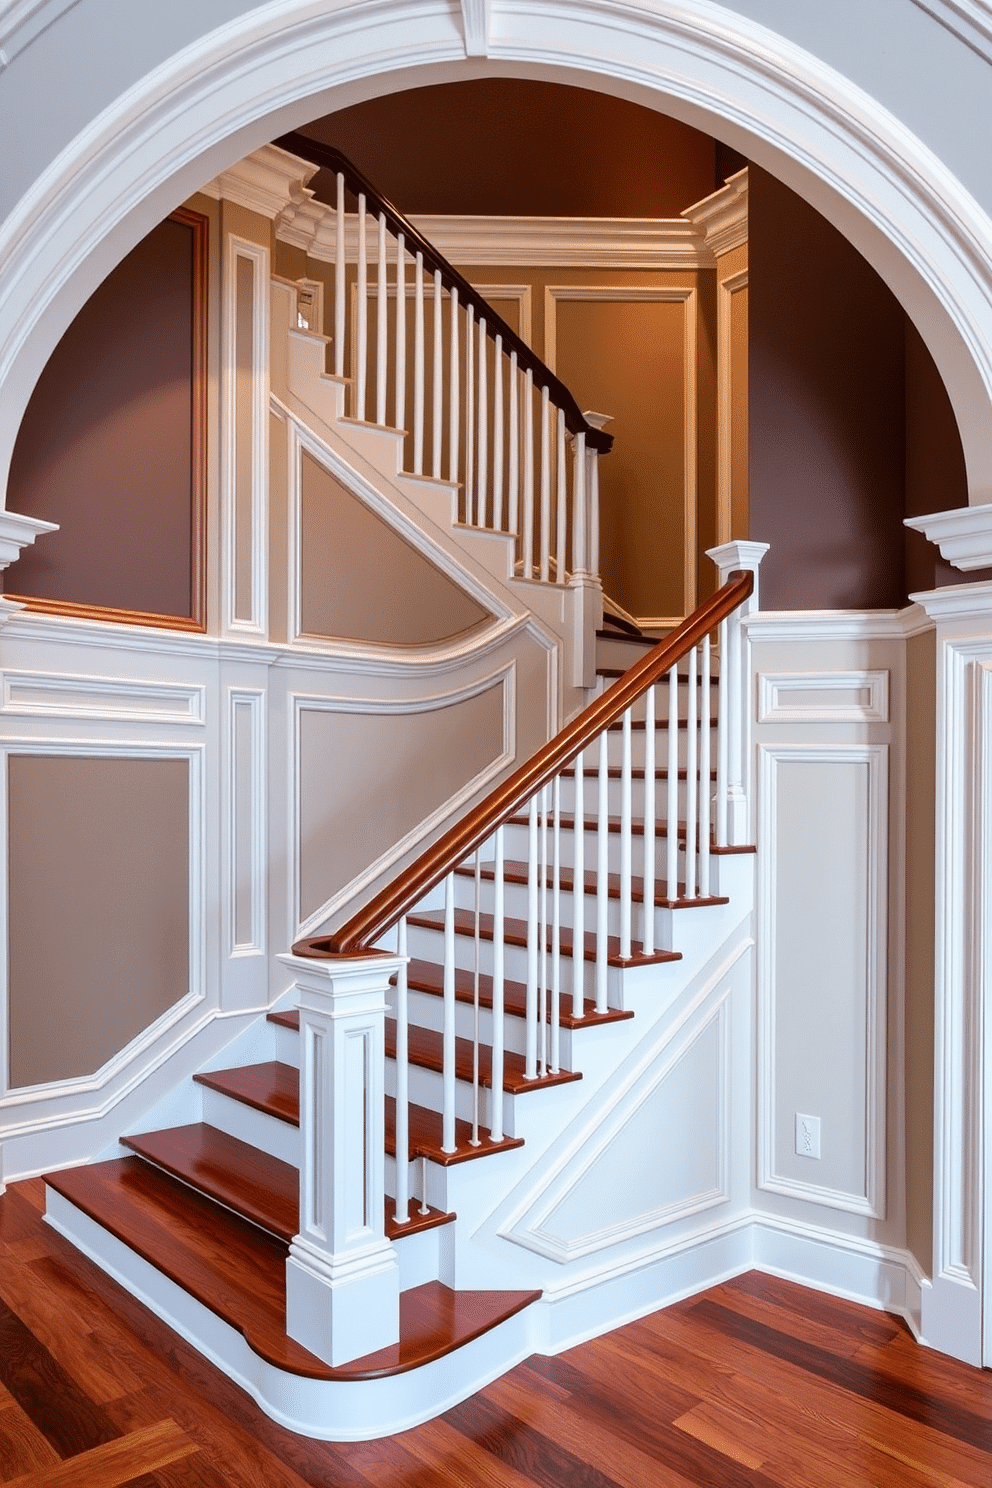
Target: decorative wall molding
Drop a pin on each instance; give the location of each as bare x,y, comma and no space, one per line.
556,294
838,625
17,532
831,697
476,19
721,218
773,862
246,779
265,181
61,695
504,677
964,535
245,439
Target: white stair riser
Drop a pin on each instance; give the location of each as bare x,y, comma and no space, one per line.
426,1090
614,751
515,907
277,1138
428,946
516,848
590,793
427,1011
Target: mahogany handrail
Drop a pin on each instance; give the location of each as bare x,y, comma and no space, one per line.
383,912
328,158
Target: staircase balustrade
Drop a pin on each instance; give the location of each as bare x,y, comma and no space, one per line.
564,962
487,414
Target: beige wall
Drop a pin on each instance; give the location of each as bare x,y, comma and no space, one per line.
98,907
369,778
920,898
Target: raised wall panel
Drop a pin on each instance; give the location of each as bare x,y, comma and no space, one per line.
98,903
732,392
246,413
822,970
247,821
823,697
630,351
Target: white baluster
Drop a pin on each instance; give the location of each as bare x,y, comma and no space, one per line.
704,772
579,891
498,437
448,1029
400,413
339,281
418,366
542,940
482,485
529,475
691,788
672,807
556,930
477,972
650,816
561,560
469,412
602,876
513,494
402,1081
438,369
545,487
530,1057
454,388
496,1110
579,505
361,309
625,838
721,743
382,325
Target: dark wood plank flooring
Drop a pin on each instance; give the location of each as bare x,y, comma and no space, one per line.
757,1382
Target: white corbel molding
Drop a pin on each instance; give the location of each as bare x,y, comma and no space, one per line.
17,533
964,535
268,181
721,219
476,19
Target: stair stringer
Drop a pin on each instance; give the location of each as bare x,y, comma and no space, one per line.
498,1240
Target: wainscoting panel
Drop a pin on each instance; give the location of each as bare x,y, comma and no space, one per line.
823,828
245,435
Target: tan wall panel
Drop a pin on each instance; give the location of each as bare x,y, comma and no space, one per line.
278,528
627,359
362,581
738,414
366,780
98,905
921,703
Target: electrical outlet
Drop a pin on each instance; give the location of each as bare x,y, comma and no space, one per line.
807,1135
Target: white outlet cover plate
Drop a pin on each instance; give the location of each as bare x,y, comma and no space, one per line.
807,1135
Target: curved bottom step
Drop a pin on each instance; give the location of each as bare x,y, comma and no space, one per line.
228,1300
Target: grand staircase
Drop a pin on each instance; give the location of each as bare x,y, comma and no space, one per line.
532,977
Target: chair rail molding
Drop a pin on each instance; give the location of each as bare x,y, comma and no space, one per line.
964,535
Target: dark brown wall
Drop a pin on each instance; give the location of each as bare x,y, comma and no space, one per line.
106,445
936,478
827,412
472,147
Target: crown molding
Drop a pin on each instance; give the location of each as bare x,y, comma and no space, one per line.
17,532
274,184
969,20
23,21
957,602
721,219
964,535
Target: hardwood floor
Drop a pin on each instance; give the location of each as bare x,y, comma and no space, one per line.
756,1382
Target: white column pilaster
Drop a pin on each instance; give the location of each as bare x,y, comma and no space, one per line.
342,1275
730,557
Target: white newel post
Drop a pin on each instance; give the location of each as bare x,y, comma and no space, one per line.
342,1275
728,558
585,584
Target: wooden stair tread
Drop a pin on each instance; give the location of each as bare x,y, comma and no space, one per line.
239,1273
426,1050
613,825
515,872
256,1186
271,1087
426,1134
615,772
659,723
515,933
427,976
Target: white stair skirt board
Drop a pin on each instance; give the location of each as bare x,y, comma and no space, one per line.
329,1410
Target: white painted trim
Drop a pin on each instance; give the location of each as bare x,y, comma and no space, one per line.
775,688
256,623
721,218
23,21
554,294
504,676
959,604
476,20
963,535
264,182
61,695
18,532
254,700
770,756
660,243
969,20
65,1091
725,372
835,625
521,294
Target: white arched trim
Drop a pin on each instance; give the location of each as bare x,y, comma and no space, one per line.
211,103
